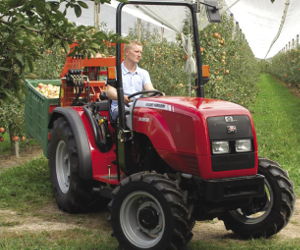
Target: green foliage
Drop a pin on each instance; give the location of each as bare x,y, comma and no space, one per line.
12,115
29,30
234,70
165,63
286,66
30,27
49,65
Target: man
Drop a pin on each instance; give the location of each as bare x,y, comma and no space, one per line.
134,78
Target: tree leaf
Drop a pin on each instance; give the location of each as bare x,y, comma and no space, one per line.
15,3
20,59
30,64
83,4
77,10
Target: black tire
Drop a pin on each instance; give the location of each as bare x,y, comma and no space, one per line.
148,212
274,210
72,193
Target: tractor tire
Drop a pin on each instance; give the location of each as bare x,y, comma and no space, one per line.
148,212
272,212
72,193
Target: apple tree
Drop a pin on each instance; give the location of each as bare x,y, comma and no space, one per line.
27,29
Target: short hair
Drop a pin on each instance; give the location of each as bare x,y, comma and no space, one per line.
131,44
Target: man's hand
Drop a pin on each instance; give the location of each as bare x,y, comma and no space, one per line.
126,99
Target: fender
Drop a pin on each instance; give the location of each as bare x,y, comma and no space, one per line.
84,153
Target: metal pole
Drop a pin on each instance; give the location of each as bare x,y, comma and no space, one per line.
97,15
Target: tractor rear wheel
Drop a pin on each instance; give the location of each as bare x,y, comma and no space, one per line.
148,212
72,193
268,215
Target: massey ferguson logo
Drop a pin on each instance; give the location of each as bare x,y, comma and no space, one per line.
229,119
231,129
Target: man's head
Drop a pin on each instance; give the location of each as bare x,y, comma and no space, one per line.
133,51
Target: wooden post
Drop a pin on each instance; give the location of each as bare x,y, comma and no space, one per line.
17,148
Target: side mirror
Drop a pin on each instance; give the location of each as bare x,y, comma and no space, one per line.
212,11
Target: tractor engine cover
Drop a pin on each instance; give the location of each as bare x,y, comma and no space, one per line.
182,130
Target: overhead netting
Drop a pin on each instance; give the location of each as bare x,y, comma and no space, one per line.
268,27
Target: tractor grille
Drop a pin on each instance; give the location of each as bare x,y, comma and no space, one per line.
217,127
219,130
233,161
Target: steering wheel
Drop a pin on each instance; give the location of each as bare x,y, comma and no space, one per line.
147,93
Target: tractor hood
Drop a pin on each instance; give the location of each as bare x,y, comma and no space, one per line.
181,130
206,107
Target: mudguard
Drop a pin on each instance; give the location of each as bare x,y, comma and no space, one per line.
75,122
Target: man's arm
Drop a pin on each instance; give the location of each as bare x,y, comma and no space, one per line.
112,94
148,86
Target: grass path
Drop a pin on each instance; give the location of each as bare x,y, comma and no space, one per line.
276,115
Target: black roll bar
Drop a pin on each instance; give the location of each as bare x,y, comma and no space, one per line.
199,82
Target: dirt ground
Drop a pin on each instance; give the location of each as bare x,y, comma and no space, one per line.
16,222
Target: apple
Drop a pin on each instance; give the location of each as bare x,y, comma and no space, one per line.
23,138
216,35
1,139
15,138
2,130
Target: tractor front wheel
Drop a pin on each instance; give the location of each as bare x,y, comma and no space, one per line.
148,212
269,214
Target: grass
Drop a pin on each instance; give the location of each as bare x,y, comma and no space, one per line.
97,240
26,189
276,115
60,240
231,244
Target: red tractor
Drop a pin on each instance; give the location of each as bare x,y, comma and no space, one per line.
166,163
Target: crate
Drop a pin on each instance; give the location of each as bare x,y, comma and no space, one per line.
37,111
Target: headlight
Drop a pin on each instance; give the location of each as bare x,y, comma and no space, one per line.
220,147
243,145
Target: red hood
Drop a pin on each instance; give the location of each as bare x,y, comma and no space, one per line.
207,107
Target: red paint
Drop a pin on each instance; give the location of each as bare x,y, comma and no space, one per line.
101,162
180,137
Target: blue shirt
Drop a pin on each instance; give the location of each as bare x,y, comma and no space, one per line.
132,82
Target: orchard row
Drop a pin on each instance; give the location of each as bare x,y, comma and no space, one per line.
286,66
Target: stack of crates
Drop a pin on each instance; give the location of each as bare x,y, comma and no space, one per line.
37,111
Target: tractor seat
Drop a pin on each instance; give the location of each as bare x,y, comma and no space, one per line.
103,105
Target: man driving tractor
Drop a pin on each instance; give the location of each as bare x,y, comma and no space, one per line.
135,79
